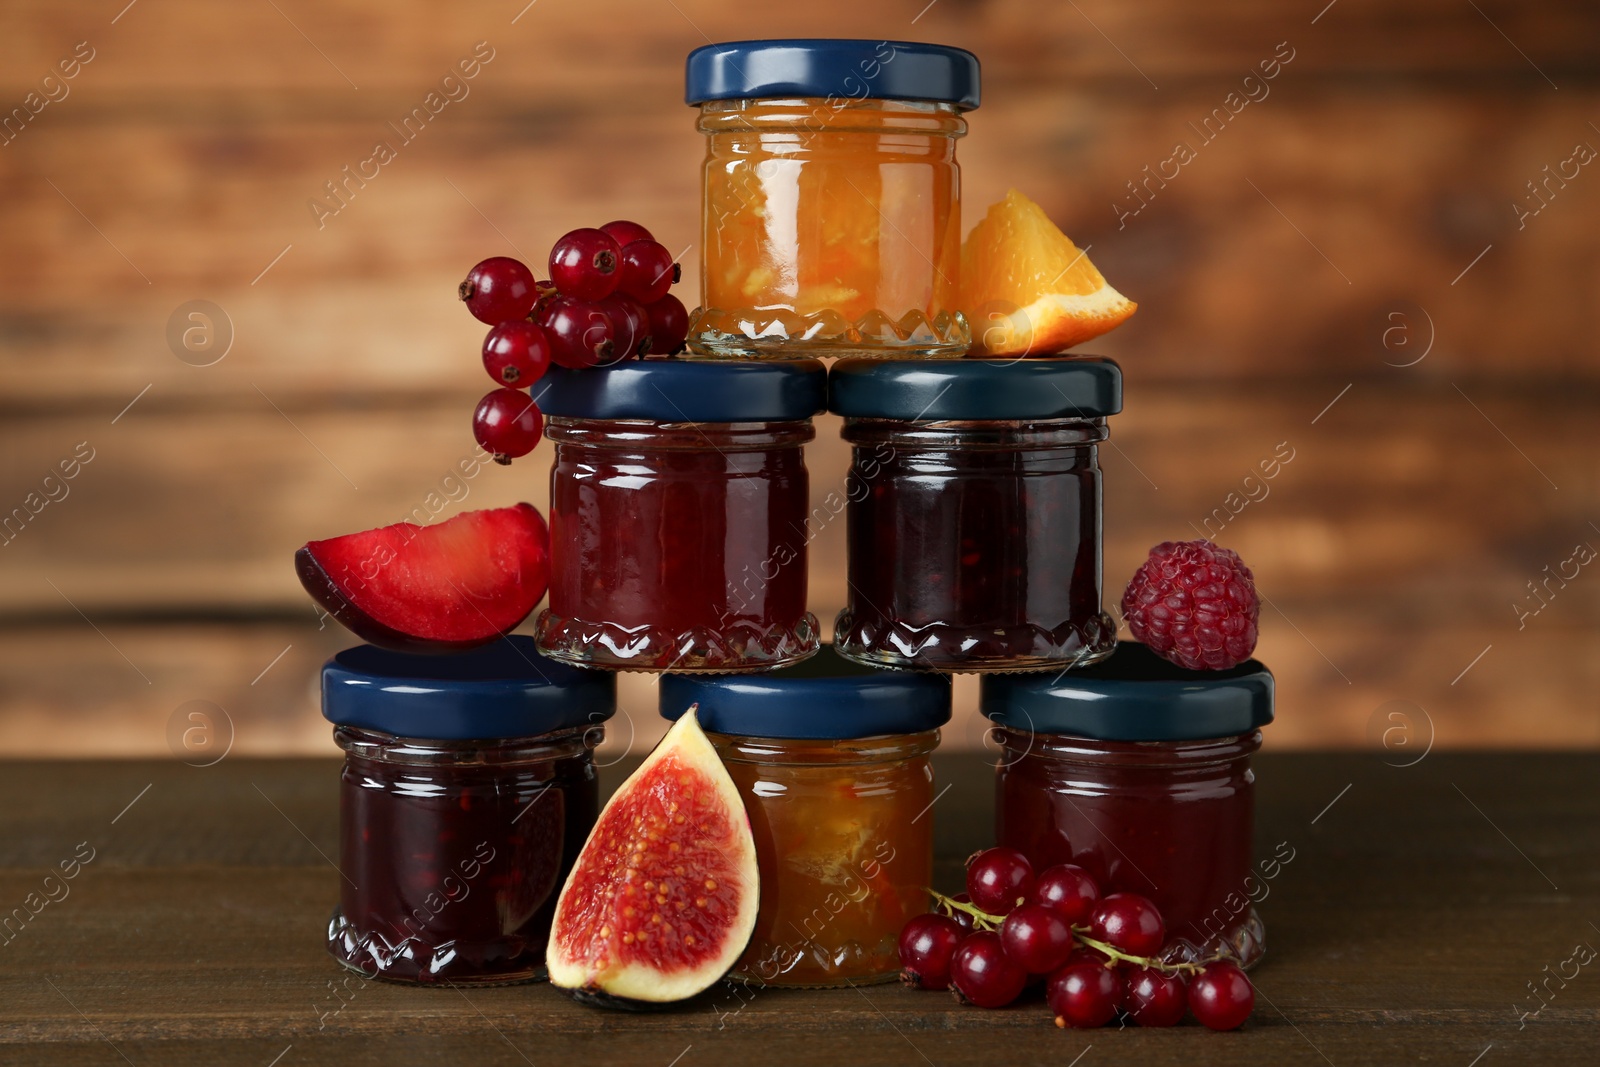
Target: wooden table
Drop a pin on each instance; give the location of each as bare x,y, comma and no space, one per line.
1421,903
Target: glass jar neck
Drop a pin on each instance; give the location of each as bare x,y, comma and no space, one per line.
1063,748
847,113
633,434
784,751
995,434
495,752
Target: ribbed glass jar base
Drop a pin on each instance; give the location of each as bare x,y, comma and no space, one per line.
354,950
949,647
719,333
734,647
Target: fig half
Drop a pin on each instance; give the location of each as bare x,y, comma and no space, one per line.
663,898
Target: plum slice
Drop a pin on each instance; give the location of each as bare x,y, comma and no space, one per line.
433,589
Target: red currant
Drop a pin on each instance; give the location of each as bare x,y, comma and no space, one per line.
1154,998
1222,997
983,974
1069,889
963,918
1085,954
625,233
584,264
507,423
1037,938
927,945
669,325
646,271
999,879
1129,922
630,325
498,290
1084,994
546,291
580,332
516,353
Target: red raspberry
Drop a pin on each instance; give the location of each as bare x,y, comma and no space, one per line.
1194,604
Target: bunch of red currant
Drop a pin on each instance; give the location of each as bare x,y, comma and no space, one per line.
607,300
1096,954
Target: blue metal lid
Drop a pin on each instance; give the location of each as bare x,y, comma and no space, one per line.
1048,387
1132,695
687,390
825,67
823,698
504,689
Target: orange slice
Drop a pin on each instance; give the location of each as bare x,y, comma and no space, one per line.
1027,289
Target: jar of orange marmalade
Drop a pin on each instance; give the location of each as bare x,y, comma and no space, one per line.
831,759
831,216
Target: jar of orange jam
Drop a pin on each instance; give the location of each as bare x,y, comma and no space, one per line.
831,759
831,215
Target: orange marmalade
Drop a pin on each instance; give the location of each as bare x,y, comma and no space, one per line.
844,846
831,215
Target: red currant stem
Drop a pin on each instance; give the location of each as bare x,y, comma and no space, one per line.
985,921
981,919
1116,955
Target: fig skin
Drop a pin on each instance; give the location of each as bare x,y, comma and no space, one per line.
590,997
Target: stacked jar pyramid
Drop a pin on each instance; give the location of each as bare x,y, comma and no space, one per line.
680,515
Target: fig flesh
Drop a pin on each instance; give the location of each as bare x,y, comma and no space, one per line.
663,897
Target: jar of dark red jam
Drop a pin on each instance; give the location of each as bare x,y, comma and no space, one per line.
468,789
1139,771
831,759
678,509
974,512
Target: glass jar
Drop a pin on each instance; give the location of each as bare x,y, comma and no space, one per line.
832,762
1139,772
467,792
831,215
974,518
678,507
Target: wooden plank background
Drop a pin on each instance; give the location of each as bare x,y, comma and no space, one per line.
1351,239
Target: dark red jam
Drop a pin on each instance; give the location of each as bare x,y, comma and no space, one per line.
1171,820
678,545
451,853
974,545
